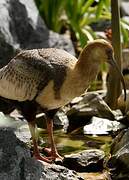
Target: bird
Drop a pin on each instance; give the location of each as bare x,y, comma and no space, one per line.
49,78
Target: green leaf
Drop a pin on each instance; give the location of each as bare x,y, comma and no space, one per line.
99,8
87,5
125,34
88,34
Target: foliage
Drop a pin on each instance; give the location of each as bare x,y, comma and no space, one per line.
51,11
125,32
77,16
81,14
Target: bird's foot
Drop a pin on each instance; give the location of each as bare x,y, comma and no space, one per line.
41,158
52,155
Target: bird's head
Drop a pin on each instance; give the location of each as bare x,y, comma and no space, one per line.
101,50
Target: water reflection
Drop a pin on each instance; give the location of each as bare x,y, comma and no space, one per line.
67,144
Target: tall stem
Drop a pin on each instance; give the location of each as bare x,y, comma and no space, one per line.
113,87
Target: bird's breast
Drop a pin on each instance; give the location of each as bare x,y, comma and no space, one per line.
50,99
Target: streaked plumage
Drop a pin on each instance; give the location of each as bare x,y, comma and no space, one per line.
50,78
30,71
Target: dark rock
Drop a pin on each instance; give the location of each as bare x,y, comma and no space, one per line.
41,120
16,162
13,154
21,27
56,172
119,161
91,104
82,110
101,25
86,161
60,120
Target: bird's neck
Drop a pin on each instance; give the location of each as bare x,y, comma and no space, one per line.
86,66
83,74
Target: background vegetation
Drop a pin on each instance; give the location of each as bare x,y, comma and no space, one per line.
77,16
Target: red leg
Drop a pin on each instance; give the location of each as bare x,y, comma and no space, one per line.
53,152
36,152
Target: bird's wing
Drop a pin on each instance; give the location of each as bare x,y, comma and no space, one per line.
30,71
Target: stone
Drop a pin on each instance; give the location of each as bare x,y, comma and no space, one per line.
60,120
82,110
119,161
9,121
16,162
96,176
102,126
22,27
85,161
91,104
56,172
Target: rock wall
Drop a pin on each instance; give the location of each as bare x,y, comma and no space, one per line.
21,27
16,162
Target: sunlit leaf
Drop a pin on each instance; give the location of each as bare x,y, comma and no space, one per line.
99,9
125,34
87,5
88,34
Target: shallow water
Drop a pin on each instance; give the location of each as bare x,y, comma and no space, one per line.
70,144
67,144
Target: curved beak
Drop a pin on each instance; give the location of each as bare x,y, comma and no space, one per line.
115,65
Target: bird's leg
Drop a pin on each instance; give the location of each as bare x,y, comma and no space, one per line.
53,152
36,153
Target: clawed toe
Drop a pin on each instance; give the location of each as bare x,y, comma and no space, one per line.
41,158
52,155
